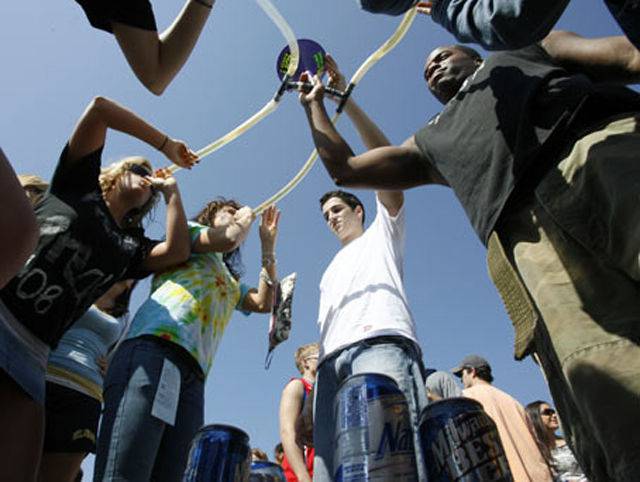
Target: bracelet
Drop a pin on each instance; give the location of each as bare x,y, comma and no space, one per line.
264,276
204,4
164,143
268,259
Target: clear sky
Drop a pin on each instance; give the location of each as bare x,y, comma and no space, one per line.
53,63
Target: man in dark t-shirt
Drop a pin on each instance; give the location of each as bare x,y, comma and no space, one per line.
541,148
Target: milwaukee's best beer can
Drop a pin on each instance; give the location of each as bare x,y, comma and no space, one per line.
373,436
219,453
460,443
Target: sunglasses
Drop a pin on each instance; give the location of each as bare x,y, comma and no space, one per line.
139,170
548,412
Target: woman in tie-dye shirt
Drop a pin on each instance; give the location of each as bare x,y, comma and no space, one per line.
146,430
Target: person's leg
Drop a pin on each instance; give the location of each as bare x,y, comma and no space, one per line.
130,436
18,227
22,422
173,452
590,364
156,59
60,467
401,362
323,420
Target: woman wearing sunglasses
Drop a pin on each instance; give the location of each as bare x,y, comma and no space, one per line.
553,447
90,237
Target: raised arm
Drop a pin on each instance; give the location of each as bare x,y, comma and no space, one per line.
290,407
102,114
260,299
606,59
496,24
175,249
383,168
369,132
228,237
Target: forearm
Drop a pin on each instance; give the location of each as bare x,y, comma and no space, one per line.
498,24
607,59
369,132
295,455
118,117
267,281
181,36
178,244
332,149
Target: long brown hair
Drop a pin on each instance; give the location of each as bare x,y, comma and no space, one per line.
232,259
543,439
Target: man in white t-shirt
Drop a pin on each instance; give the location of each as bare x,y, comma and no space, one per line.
364,318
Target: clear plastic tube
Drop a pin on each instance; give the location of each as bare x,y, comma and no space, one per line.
271,106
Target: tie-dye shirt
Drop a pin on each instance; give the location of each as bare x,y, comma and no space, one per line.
191,304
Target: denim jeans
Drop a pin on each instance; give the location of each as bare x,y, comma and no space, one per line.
512,24
396,357
133,445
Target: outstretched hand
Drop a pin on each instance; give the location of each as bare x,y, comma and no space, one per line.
317,92
269,226
336,79
179,153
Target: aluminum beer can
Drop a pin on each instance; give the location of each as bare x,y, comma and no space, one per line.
219,453
373,436
460,443
262,471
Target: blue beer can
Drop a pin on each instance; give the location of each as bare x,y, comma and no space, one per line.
460,443
263,471
219,453
373,436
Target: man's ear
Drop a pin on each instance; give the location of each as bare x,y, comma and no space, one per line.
358,210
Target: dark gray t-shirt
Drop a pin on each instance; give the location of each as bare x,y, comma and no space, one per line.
508,123
81,252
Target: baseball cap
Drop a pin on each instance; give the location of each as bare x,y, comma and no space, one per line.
471,361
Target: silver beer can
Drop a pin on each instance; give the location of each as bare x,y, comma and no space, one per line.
373,436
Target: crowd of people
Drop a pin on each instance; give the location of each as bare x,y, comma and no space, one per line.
539,143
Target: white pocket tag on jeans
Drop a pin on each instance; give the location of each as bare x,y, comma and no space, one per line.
165,403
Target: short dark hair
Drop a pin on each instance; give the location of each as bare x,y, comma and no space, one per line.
484,373
349,199
473,53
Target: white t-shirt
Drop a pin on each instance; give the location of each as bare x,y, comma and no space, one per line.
361,292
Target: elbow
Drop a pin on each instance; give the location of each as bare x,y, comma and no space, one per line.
155,88
99,104
264,308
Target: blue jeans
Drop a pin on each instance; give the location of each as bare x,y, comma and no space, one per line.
512,24
133,445
396,357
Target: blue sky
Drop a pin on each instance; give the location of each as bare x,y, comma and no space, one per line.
54,63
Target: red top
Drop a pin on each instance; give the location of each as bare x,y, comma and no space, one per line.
308,451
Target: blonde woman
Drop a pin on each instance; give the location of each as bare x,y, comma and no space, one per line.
90,237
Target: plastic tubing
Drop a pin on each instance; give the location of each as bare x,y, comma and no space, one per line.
376,56
290,37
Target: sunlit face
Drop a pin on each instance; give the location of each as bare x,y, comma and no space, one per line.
445,71
345,222
467,377
224,216
135,187
311,363
549,417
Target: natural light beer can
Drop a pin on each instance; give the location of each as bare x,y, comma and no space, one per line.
373,436
460,443
262,471
219,453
